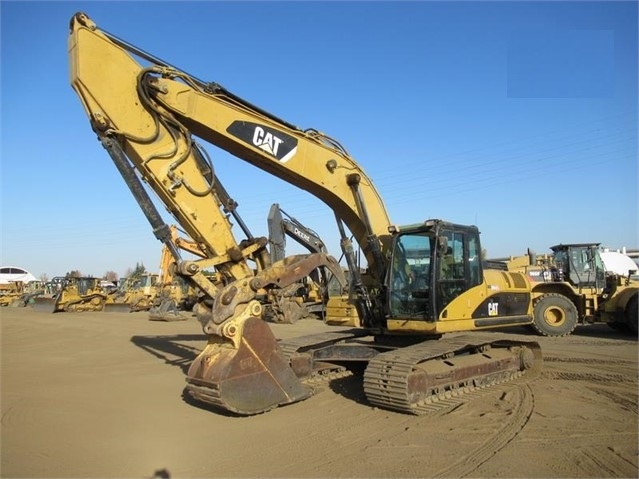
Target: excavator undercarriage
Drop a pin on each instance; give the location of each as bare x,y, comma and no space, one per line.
261,374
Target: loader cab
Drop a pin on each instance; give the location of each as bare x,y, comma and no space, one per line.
431,264
85,285
145,283
579,264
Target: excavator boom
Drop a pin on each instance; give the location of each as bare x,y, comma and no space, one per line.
280,225
173,106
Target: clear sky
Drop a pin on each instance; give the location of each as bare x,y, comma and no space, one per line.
519,117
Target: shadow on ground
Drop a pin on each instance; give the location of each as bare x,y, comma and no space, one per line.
171,349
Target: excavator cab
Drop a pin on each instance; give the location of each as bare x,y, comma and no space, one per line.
432,264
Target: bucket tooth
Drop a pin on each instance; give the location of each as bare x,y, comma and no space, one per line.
167,310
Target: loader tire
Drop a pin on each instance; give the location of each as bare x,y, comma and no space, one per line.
554,315
632,315
619,326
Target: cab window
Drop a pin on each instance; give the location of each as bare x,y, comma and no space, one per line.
410,276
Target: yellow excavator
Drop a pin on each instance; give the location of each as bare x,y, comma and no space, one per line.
423,280
322,294
134,294
173,295
312,291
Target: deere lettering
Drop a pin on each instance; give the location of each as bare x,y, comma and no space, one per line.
273,142
302,235
266,141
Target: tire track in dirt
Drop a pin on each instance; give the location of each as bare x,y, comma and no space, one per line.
596,370
611,380
613,362
629,405
521,396
588,377
606,460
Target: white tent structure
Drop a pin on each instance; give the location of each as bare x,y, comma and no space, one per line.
618,263
13,273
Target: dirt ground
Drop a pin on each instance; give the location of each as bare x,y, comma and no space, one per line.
100,395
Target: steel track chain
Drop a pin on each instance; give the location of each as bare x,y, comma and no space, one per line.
292,346
301,343
386,377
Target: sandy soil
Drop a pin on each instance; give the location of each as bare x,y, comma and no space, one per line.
100,395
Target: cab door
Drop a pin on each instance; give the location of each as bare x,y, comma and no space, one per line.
457,266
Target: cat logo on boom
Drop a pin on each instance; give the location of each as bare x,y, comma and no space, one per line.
266,141
275,143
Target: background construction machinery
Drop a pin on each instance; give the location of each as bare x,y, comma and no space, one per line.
576,285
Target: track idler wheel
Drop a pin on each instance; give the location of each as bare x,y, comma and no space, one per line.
244,371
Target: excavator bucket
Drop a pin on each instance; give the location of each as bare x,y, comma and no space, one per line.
167,310
117,308
247,379
45,305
